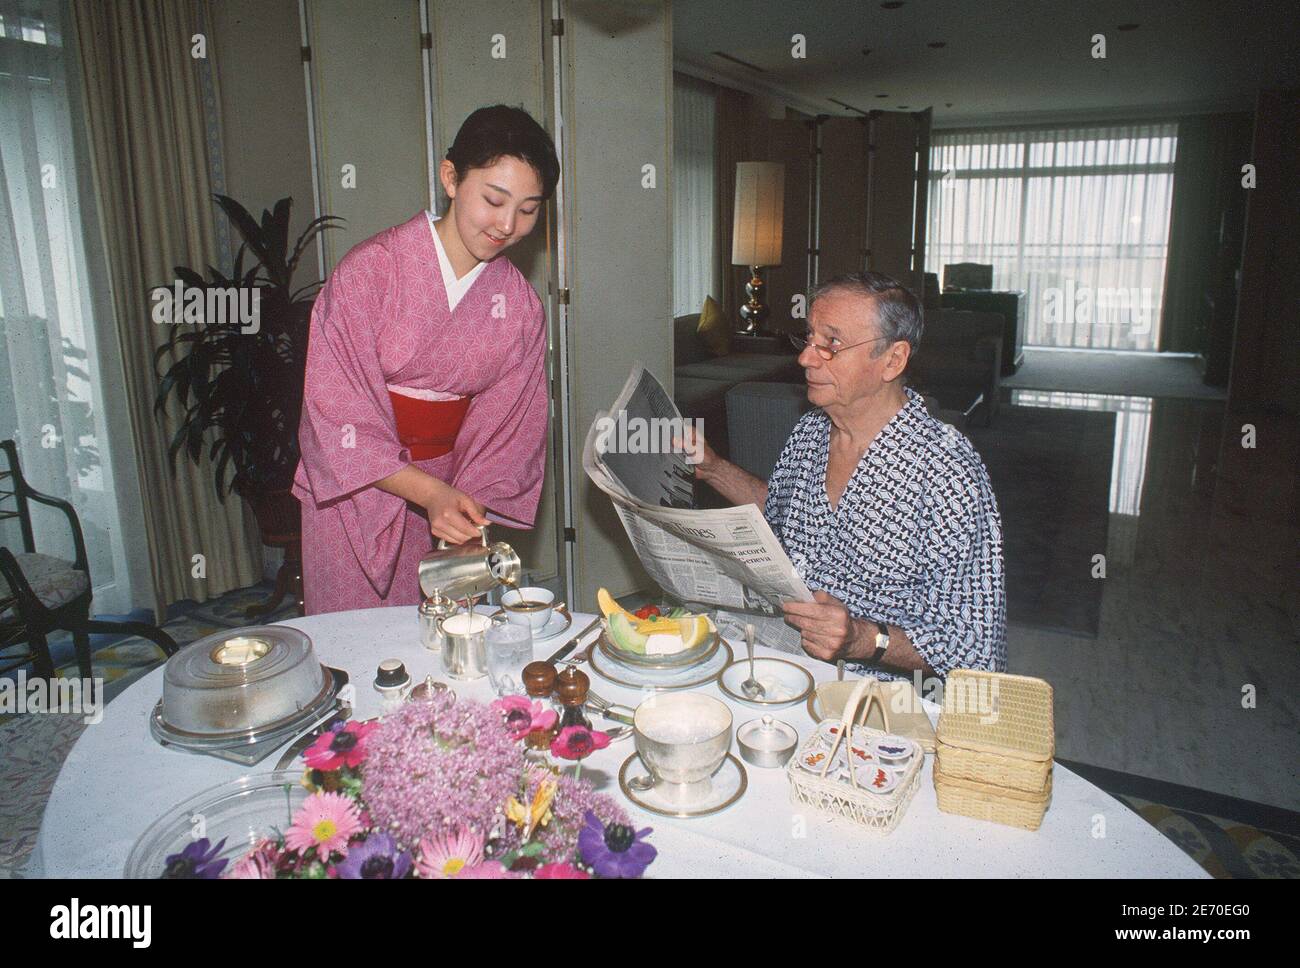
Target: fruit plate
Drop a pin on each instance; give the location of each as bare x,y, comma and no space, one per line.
659,680
678,660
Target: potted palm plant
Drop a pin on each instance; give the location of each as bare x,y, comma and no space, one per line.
239,385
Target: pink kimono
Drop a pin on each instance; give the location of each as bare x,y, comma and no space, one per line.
383,323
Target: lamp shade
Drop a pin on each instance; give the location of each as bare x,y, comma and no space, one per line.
760,207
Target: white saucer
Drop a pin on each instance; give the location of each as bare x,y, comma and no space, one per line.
558,624
728,786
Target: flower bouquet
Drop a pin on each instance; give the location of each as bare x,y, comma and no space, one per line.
440,789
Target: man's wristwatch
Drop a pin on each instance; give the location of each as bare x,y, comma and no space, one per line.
882,643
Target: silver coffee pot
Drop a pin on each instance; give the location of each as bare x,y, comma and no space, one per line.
468,570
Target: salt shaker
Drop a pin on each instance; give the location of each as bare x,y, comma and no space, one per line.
539,682
391,682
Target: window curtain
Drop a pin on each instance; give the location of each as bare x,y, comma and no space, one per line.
59,369
150,152
1207,176
1076,217
732,145
694,136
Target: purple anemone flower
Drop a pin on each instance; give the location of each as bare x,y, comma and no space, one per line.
196,862
375,858
615,850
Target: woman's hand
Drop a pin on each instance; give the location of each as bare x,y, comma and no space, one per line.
454,516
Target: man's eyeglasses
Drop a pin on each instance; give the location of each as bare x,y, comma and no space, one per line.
827,353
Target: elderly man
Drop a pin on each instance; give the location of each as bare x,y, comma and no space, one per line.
885,511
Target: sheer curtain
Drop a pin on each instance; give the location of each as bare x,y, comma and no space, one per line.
694,136
54,372
1076,217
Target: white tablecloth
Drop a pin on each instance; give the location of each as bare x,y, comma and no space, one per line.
117,780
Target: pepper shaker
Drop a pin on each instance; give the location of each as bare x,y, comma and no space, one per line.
571,688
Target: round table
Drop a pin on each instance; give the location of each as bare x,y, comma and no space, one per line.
117,780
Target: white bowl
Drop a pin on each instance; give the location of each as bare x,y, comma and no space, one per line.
783,681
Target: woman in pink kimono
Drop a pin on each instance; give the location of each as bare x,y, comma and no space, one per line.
425,403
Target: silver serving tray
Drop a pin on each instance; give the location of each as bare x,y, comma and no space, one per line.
249,746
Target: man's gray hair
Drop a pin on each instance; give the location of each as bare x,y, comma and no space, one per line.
898,311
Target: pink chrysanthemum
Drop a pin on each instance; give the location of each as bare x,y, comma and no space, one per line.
325,821
449,855
489,870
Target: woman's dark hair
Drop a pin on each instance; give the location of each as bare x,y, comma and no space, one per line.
492,133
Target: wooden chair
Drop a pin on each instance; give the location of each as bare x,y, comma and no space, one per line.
46,593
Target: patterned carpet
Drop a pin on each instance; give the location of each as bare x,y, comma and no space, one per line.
1225,848
33,747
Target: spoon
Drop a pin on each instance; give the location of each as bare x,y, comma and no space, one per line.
751,687
642,783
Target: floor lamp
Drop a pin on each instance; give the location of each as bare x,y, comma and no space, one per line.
756,232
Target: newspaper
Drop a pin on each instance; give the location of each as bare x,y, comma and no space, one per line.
728,558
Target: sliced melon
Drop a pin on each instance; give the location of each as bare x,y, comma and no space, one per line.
624,636
649,626
608,606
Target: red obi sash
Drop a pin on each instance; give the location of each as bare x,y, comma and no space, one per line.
428,428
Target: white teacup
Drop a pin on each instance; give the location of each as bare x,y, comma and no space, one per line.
682,738
528,606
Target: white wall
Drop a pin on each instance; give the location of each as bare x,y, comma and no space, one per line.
618,96
369,114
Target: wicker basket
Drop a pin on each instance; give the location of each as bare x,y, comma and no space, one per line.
996,729
877,812
983,801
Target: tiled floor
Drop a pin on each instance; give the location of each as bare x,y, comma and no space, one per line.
1199,608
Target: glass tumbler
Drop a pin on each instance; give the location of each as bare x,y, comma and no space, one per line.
509,648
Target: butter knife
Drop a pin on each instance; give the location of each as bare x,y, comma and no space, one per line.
572,644
623,718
